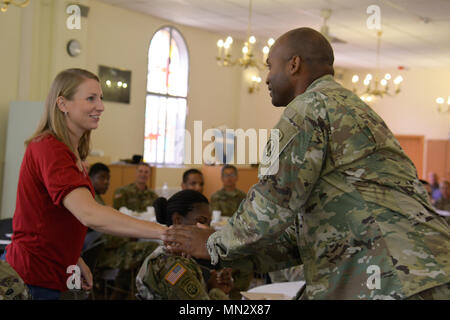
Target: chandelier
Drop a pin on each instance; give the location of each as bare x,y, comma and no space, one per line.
375,87
225,59
6,3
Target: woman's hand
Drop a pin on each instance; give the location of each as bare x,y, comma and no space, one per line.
86,275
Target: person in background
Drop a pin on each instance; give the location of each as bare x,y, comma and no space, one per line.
55,199
164,276
99,174
193,180
127,254
136,196
439,207
428,189
434,183
443,203
227,199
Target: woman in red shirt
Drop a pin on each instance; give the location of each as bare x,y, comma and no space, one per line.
55,198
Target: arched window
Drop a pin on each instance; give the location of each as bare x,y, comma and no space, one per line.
167,85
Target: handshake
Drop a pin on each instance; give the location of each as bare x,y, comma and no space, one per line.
189,240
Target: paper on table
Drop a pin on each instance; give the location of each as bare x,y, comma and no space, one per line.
5,241
263,296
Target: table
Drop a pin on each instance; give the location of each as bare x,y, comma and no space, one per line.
275,291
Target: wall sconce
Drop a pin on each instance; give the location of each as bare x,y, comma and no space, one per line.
254,85
442,107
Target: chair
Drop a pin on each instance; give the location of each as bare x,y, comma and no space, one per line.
5,228
93,243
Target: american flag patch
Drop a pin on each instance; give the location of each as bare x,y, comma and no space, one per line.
175,274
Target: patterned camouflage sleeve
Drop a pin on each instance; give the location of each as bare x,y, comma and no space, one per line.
12,286
119,199
274,202
168,277
215,203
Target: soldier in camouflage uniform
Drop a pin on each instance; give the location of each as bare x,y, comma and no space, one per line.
99,174
444,202
12,286
136,196
227,199
294,273
164,276
345,201
126,254
167,276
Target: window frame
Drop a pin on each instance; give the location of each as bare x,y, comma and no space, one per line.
167,95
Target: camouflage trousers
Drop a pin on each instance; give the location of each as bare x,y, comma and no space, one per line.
437,293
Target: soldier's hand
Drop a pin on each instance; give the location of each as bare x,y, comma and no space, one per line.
188,239
221,280
225,279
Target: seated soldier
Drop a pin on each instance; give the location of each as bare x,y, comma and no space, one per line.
12,286
136,196
164,276
126,254
227,199
193,180
440,206
99,174
443,203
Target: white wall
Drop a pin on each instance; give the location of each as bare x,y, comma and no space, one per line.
413,111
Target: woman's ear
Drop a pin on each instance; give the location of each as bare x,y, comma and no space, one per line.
177,218
61,103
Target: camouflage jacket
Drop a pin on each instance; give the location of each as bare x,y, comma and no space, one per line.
345,201
168,277
134,199
227,201
123,253
288,275
12,286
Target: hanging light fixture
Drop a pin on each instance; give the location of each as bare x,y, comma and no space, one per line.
225,58
442,106
6,3
374,87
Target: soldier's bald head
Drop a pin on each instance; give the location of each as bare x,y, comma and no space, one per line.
311,46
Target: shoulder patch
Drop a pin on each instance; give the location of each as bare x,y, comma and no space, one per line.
191,289
175,274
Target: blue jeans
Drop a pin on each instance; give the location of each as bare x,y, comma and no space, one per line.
39,293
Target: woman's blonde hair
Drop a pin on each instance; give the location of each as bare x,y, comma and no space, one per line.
53,119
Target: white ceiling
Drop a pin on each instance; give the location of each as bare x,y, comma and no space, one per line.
416,33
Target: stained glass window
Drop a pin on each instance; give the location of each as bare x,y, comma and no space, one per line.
165,111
